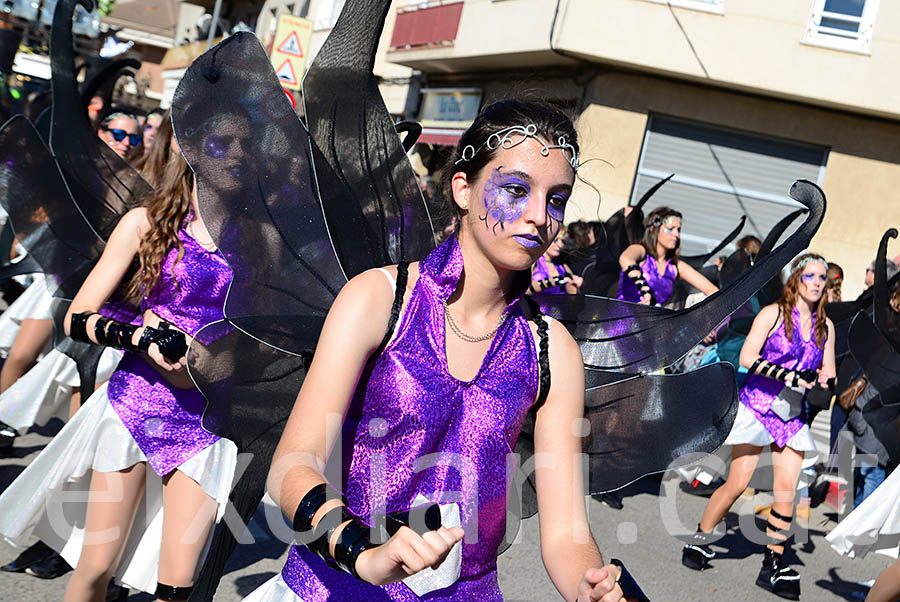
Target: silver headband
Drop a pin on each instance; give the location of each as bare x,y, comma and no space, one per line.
808,259
503,139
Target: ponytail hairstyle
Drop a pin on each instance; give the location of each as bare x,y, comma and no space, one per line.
550,125
652,224
789,299
167,208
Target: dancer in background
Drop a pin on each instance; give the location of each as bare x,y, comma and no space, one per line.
551,274
790,349
148,413
650,268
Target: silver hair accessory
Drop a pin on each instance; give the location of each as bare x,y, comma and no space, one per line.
808,259
504,139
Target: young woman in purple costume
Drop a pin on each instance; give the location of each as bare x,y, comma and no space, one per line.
790,349
436,392
551,275
651,267
144,424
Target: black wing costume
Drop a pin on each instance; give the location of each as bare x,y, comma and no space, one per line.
296,212
65,200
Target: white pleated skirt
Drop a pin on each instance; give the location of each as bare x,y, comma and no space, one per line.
273,590
49,499
747,429
874,526
34,303
44,391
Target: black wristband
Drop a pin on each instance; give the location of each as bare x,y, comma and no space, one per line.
172,344
353,541
831,383
146,339
78,327
308,507
325,529
630,588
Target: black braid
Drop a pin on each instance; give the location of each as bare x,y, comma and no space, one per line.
537,316
402,277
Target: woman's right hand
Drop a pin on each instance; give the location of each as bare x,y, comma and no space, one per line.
789,381
406,553
645,299
156,355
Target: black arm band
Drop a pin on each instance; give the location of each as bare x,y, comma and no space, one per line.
636,275
78,327
308,507
172,343
630,588
353,541
831,383
325,529
774,371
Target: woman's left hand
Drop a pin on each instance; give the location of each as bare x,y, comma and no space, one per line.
599,585
823,378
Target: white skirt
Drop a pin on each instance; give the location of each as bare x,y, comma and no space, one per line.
34,303
44,391
49,499
273,590
874,526
747,429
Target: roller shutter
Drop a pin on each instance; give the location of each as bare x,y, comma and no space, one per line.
720,175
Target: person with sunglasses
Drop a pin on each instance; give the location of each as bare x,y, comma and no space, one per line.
789,350
121,132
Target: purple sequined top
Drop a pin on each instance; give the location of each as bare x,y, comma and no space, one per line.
190,293
163,420
759,392
424,431
542,270
661,284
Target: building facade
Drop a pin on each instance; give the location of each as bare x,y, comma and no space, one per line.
737,98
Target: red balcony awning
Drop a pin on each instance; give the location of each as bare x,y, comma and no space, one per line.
424,27
446,137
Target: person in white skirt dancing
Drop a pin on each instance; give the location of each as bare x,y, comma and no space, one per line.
143,427
790,349
874,526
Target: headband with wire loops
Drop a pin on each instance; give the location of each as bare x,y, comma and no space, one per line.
504,139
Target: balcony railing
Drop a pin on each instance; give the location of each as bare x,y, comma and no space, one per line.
426,25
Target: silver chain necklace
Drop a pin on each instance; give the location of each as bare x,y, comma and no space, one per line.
468,337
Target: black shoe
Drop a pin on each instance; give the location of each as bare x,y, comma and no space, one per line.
610,499
695,487
35,553
51,567
7,435
696,554
778,578
116,593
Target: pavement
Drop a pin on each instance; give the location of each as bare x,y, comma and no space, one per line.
638,535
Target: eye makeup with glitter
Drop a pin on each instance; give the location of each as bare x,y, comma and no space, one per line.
810,277
675,230
505,198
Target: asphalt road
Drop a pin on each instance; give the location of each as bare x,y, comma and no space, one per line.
638,535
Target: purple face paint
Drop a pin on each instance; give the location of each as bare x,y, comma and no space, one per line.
528,241
810,278
505,198
216,146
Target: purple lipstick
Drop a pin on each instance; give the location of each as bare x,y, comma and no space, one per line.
529,241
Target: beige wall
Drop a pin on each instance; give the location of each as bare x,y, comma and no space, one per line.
756,45
862,176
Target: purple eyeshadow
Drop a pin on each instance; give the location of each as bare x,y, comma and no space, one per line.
808,278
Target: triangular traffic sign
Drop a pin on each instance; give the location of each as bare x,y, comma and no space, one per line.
291,45
286,73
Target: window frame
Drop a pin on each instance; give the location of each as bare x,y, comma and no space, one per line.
860,44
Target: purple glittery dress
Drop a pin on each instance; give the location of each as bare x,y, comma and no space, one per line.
422,431
759,392
541,271
165,420
661,284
